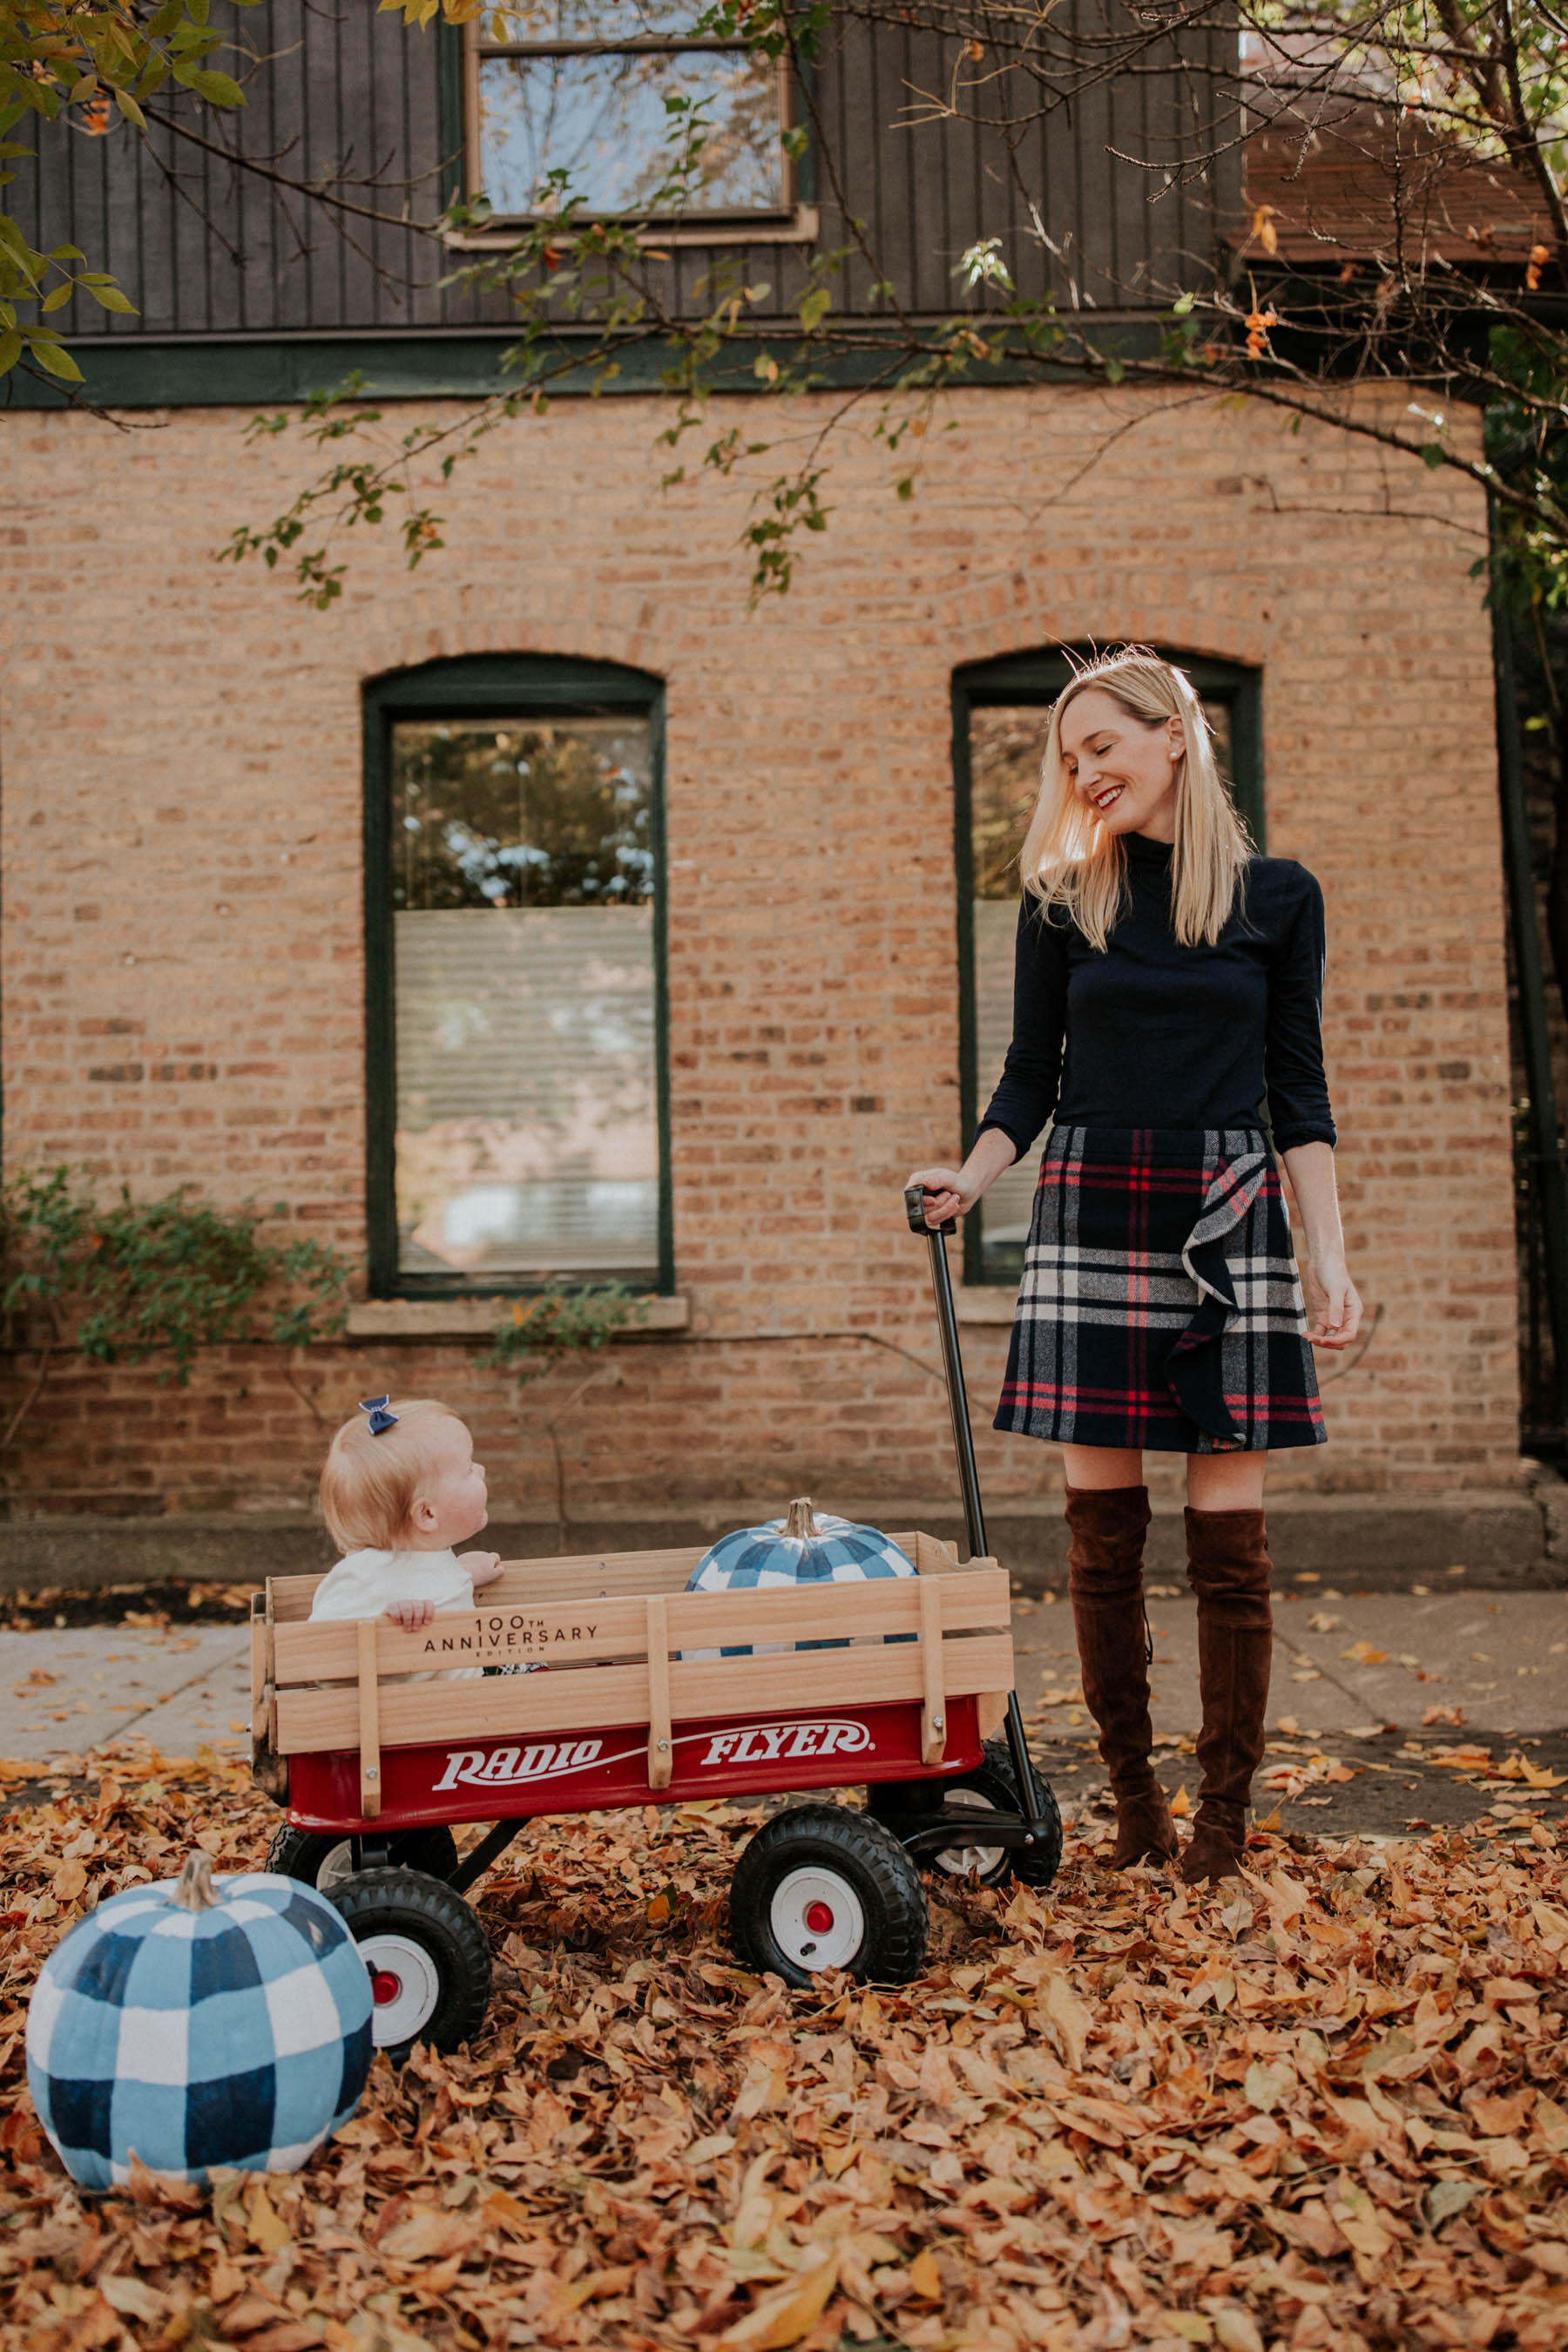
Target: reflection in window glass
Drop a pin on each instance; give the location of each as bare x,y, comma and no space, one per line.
1006,744
522,876
601,116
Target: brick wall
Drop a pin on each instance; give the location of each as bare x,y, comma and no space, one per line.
182,934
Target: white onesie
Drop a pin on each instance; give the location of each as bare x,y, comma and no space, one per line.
366,1585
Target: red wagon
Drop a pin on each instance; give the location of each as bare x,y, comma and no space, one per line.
375,1769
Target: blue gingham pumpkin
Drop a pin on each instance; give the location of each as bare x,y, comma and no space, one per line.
199,2025
802,1548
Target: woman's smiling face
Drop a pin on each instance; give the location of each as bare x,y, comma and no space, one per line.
1123,770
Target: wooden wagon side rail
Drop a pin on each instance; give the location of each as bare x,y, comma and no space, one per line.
605,1575
423,1714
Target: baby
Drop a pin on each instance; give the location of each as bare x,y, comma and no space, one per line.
400,1489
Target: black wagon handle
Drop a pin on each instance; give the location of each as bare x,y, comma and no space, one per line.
1037,1826
951,1364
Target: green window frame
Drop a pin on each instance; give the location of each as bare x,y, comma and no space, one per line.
482,686
1009,681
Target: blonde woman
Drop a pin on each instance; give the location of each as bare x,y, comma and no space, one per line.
1167,980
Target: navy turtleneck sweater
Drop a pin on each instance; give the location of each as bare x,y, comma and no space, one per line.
1151,1034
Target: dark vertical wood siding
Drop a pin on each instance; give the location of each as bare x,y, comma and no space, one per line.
204,247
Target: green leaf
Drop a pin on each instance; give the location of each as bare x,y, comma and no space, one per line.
58,297
1183,304
1431,453
58,362
814,306
129,108
110,298
10,350
218,90
1114,370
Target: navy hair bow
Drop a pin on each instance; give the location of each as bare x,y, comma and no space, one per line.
380,1418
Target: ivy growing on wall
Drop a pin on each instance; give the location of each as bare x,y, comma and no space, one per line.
124,1281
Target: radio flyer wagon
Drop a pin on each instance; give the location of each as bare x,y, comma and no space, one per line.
375,1769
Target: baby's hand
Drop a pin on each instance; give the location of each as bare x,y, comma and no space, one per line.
483,1567
410,1615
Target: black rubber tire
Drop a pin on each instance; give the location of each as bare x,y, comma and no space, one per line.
884,1882
300,1853
902,1805
409,1903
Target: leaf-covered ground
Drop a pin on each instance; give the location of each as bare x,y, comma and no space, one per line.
1326,2109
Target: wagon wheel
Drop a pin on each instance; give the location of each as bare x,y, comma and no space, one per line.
820,1887
319,1859
429,1958
989,1786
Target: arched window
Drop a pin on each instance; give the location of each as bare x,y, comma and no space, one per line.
517,1093
999,712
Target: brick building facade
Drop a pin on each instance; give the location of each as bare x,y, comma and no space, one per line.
184,982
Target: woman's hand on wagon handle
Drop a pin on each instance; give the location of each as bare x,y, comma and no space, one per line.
953,1191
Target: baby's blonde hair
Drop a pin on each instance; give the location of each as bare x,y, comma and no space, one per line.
371,1484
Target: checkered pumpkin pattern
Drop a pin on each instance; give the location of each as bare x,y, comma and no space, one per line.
767,1559
235,2035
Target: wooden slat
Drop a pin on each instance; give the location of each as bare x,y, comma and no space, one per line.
933,1710
587,1576
416,1714
660,1753
328,1652
368,1698
257,1671
271,1674
608,1576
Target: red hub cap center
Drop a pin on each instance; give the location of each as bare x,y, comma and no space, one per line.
383,1987
818,1918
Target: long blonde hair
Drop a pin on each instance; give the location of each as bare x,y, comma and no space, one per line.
1069,858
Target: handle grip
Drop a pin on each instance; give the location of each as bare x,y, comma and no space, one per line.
915,1210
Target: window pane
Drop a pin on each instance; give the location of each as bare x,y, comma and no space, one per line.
523,939
1005,747
1006,744
602,120
583,20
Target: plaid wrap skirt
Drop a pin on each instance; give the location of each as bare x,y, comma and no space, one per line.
1160,1304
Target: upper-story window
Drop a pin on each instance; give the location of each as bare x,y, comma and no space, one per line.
579,88
517,1054
1000,710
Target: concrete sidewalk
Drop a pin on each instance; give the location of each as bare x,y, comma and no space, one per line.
1353,1677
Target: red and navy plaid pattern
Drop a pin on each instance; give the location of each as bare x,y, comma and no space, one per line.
1160,1304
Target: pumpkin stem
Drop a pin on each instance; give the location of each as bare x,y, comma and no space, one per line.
799,1520
194,1890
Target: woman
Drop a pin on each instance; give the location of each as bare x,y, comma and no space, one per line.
1166,978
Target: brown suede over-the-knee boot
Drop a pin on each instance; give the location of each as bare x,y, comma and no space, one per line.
1105,1581
1228,1566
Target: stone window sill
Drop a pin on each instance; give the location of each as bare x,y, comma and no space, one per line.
800,226
476,1319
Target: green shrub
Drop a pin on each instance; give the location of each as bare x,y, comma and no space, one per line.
140,1278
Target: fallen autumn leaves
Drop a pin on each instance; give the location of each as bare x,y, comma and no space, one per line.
1317,2111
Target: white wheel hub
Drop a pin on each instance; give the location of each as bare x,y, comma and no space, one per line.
816,1918
335,1863
404,1986
958,1860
